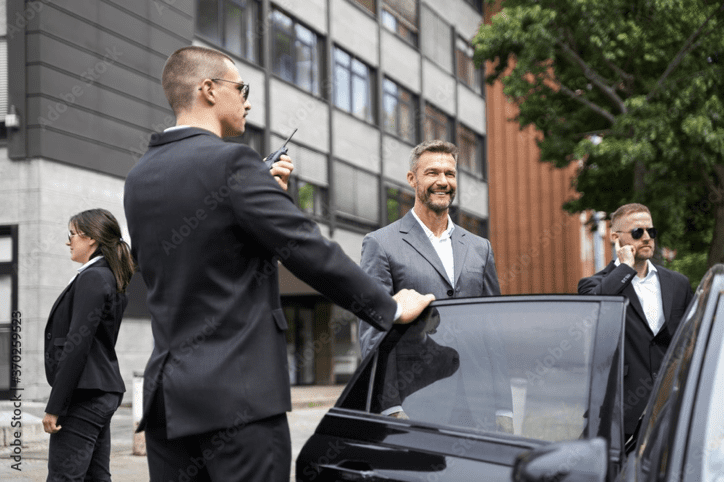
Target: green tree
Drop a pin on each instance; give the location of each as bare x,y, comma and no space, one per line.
631,90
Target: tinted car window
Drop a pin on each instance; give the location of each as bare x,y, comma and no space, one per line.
468,365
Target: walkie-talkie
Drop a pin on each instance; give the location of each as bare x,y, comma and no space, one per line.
274,157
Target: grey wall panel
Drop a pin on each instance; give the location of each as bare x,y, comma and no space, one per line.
125,24
85,36
79,152
86,124
89,67
174,16
61,90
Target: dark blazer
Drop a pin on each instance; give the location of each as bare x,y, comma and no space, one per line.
400,255
643,352
80,337
208,224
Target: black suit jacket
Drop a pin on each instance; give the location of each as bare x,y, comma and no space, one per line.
643,352
80,337
208,224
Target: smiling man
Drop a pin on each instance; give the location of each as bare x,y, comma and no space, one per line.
657,297
426,251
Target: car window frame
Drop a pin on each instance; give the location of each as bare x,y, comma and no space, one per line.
607,350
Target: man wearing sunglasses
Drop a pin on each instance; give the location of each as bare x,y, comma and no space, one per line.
209,225
658,299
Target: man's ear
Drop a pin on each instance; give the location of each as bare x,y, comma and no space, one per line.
208,92
411,179
614,236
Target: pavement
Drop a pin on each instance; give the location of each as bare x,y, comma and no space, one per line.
28,462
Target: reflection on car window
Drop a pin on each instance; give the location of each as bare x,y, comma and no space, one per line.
664,408
713,465
518,366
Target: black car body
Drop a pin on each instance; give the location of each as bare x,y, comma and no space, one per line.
561,357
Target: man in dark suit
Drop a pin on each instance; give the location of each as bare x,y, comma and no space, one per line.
426,251
208,225
657,298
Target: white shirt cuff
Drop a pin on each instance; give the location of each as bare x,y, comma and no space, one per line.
398,314
396,408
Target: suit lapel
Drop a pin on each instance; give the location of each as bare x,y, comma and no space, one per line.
58,300
667,293
460,250
633,298
413,235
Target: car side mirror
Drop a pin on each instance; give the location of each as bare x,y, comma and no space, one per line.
579,460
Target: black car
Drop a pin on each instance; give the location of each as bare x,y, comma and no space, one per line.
525,388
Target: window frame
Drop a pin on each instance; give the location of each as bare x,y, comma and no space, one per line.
401,197
316,48
411,32
245,34
478,167
414,106
476,82
353,75
11,268
440,113
354,220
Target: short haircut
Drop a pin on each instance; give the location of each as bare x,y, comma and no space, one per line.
436,145
627,209
185,68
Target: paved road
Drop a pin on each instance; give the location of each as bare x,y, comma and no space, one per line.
126,467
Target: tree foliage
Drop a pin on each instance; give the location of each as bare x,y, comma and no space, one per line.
633,91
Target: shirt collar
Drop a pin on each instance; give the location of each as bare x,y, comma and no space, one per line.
90,262
445,234
652,269
175,128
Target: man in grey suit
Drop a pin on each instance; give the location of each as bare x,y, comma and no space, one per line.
427,252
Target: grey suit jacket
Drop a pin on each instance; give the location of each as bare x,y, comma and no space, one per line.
401,256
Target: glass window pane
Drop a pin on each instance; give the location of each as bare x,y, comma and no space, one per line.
6,249
6,291
462,366
407,122
341,57
305,66
232,28
362,107
282,59
207,19
253,37
389,104
342,98
389,20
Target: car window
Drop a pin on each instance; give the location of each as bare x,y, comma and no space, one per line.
663,409
519,366
713,449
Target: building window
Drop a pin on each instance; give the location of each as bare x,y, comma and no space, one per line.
466,71
399,202
356,196
437,124
252,137
400,16
3,86
9,377
296,53
231,24
311,199
473,224
400,107
472,151
352,85
369,5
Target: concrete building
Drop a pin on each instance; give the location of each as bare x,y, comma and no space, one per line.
362,80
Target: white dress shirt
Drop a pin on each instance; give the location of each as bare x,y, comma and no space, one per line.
85,265
648,289
443,246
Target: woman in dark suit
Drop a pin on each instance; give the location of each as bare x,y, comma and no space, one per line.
80,357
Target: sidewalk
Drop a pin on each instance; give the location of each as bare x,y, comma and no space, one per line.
309,406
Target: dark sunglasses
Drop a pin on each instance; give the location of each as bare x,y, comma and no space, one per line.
244,89
638,232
